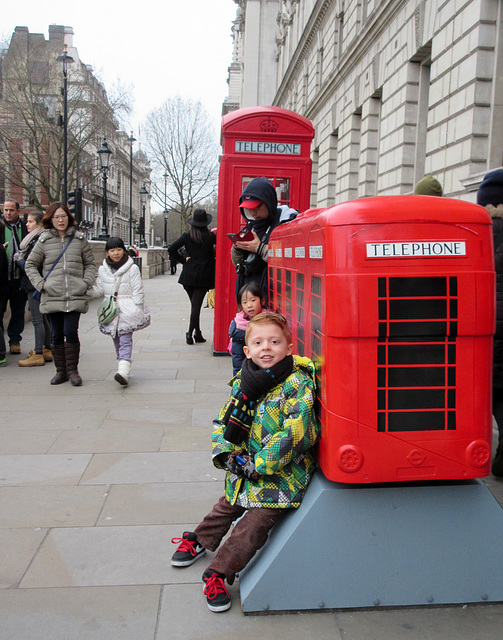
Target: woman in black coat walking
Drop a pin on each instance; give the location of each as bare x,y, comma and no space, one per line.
198,271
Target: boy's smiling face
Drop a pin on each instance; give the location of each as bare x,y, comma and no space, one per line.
267,345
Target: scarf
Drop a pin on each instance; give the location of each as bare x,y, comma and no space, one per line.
117,265
255,382
25,242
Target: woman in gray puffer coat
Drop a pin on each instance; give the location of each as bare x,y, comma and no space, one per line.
63,290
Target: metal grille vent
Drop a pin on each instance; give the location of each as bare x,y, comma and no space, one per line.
416,359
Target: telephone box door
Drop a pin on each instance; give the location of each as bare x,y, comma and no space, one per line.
257,141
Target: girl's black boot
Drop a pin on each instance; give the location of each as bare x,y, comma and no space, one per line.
198,336
188,338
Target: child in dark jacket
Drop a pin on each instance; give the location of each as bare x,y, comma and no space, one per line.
263,438
251,300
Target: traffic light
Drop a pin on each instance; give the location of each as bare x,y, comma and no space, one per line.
75,204
140,227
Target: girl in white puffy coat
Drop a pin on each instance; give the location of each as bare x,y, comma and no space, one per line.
119,273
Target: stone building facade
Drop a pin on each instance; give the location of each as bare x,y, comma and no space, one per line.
31,135
395,89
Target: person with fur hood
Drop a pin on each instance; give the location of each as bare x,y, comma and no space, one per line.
120,275
490,196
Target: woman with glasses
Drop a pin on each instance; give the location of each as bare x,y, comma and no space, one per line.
64,258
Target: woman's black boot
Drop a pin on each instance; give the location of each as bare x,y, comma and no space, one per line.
188,338
58,354
198,336
72,351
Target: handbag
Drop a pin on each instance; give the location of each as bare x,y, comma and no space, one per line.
108,309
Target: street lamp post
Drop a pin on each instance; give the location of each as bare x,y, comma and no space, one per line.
165,245
104,154
131,139
65,60
143,198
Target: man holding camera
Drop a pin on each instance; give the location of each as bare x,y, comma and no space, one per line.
259,207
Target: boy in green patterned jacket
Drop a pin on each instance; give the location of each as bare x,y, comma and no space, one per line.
263,438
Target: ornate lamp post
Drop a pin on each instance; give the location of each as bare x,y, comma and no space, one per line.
104,154
65,60
131,139
165,245
143,198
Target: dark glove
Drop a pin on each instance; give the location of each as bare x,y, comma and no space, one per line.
247,466
228,462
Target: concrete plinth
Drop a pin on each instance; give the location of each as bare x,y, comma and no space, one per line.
351,546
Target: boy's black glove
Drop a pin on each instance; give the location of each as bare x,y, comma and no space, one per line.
247,465
228,462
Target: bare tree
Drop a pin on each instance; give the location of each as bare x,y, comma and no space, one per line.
182,145
31,134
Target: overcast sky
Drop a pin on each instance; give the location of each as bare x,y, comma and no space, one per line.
162,49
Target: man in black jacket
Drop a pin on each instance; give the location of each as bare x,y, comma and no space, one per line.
3,294
15,230
259,207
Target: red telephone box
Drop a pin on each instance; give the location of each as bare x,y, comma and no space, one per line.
394,298
257,141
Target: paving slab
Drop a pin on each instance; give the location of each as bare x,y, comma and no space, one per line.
51,506
479,622
145,416
108,439
160,503
98,556
27,441
46,469
114,613
184,615
39,419
17,548
138,468
187,438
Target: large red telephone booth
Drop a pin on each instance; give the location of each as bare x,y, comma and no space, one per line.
257,141
394,298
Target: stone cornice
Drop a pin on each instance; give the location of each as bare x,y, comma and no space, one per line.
373,27
309,33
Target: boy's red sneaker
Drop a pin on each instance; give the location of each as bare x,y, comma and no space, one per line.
189,550
217,597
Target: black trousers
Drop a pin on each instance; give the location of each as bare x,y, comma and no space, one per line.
196,297
17,301
64,325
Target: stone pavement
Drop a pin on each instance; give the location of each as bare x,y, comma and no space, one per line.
96,480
